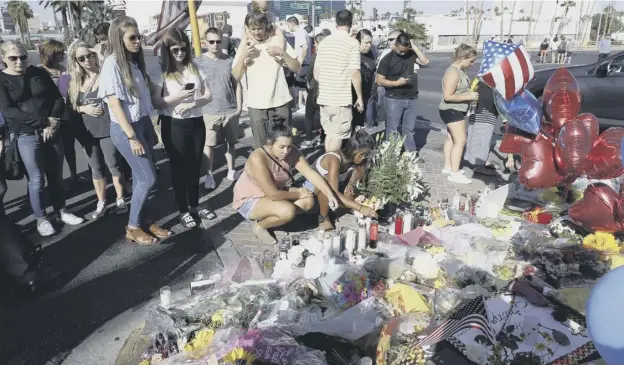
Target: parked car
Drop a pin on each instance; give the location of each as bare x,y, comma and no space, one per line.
602,88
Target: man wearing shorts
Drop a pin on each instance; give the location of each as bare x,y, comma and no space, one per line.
337,66
223,112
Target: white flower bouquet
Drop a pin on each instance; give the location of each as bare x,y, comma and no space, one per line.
394,177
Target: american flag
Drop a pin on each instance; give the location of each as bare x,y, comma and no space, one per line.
506,68
471,315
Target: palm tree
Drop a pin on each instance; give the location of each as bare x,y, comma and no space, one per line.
513,7
327,14
387,15
70,10
502,19
95,12
416,31
20,11
566,5
528,33
610,10
409,13
226,16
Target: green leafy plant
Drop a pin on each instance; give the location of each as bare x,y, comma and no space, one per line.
394,177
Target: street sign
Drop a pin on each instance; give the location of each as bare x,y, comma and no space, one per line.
300,6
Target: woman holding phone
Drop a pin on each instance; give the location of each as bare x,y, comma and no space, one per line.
125,86
184,92
84,69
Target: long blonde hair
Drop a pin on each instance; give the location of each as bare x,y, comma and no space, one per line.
76,72
118,28
8,45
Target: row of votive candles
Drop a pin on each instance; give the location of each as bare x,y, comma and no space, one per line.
346,241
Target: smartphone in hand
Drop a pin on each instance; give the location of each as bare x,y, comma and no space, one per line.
189,86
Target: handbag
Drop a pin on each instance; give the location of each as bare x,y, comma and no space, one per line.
293,183
13,164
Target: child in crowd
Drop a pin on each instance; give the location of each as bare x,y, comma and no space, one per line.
263,6
343,170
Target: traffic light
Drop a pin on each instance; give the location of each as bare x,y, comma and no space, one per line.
317,21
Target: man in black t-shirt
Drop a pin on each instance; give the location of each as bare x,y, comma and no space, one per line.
396,74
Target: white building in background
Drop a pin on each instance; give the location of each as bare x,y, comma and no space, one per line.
236,10
34,24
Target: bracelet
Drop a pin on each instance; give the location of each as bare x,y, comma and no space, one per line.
132,138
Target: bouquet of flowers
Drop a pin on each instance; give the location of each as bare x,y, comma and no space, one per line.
394,176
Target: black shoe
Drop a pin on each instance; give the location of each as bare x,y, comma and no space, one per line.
188,221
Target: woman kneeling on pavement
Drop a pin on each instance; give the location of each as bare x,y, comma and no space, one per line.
262,194
345,169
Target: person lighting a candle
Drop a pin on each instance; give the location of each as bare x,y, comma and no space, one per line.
344,168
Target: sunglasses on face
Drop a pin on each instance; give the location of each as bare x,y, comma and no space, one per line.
214,42
391,39
15,58
135,38
178,50
84,58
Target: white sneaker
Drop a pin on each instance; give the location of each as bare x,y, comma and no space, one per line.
209,183
45,228
447,171
121,208
233,175
458,178
71,219
100,210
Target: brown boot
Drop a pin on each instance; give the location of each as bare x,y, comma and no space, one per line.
137,235
159,232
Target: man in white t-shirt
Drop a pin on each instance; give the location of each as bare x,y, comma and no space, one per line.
604,47
260,60
303,51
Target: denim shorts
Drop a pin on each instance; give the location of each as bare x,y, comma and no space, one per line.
246,209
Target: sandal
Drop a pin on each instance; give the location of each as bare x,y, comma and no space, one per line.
137,235
206,214
159,232
187,221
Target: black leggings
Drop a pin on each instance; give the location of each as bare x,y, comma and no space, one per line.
72,130
184,142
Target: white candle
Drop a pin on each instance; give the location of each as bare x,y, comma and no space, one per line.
408,219
336,249
350,241
362,235
320,235
327,246
165,297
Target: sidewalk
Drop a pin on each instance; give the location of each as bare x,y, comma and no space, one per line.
118,341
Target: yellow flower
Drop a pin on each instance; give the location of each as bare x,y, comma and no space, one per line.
601,242
202,339
217,319
435,250
144,362
239,354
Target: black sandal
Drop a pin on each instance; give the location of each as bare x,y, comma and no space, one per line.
206,214
188,221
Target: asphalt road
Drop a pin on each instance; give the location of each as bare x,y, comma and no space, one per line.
90,274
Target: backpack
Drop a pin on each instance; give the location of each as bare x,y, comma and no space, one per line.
563,46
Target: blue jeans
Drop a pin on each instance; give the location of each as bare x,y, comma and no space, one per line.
381,102
143,171
401,118
43,161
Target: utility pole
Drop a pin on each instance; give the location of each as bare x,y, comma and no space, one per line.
194,27
313,16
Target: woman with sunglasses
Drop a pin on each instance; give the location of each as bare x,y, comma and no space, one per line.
84,69
125,87
32,105
52,55
343,170
184,92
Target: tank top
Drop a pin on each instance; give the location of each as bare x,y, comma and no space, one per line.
463,87
323,172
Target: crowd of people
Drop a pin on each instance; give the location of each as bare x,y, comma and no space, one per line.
102,96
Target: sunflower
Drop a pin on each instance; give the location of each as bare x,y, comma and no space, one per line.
602,242
239,356
201,339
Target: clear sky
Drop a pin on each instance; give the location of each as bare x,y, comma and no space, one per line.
427,6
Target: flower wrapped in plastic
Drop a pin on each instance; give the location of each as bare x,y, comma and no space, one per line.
398,339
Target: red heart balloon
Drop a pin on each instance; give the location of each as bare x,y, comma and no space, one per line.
592,124
561,78
596,211
605,160
564,105
572,147
514,140
538,170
